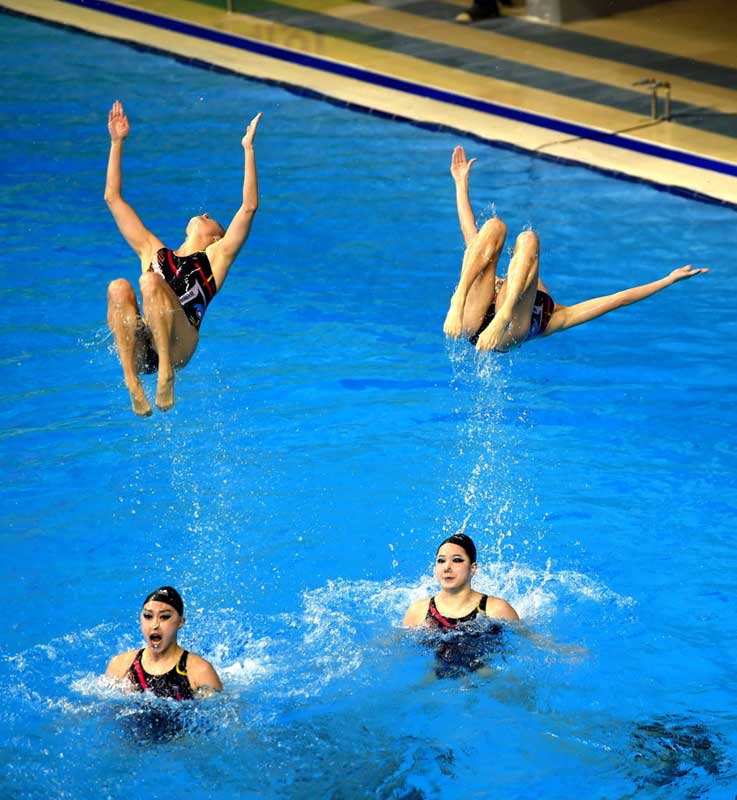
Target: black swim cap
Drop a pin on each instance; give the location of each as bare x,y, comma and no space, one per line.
466,542
168,595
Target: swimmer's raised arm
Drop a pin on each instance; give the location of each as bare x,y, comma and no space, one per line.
460,170
565,317
202,676
138,236
223,252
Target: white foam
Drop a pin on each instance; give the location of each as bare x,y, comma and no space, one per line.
244,673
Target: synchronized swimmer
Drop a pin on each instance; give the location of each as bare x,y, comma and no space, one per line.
176,285
464,626
163,667
457,601
502,313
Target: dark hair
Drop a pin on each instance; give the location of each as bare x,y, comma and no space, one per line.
168,595
466,542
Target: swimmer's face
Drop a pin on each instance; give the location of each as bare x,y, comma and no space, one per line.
160,624
203,226
453,567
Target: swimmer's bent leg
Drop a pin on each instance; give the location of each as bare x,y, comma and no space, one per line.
124,319
475,291
511,322
175,339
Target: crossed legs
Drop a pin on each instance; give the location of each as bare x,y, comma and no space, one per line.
174,339
516,297
477,289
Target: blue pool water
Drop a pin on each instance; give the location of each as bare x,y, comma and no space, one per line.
326,437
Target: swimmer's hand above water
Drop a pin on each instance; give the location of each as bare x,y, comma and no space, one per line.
460,166
250,133
117,122
683,273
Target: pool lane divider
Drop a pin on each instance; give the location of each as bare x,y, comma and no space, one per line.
386,81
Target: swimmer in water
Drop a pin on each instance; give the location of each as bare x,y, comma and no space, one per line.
464,626
502,313
457,602
162,666
176,285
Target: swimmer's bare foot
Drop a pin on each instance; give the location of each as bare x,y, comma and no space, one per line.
453,326
165,392
495,333
140,405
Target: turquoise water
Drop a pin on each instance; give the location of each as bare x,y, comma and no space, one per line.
326,437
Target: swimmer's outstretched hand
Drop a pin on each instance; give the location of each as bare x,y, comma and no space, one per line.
250,133
683,273
117,122
460,167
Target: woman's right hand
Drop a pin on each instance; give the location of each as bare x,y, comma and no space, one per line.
117,122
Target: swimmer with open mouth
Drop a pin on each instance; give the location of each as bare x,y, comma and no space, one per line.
163,666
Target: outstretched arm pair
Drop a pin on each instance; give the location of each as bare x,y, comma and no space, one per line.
143,241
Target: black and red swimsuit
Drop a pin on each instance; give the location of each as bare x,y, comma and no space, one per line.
542,311
461,645
190,278
435,619
173,684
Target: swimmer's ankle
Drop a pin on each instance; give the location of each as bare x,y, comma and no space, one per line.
139,402
165,392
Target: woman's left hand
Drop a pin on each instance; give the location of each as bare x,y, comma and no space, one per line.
682,273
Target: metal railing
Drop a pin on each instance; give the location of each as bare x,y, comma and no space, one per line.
653,84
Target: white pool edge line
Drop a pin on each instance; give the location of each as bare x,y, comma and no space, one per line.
695,175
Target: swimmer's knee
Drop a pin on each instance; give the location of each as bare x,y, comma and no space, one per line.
120,291
527,240
494,228
490,238
150,282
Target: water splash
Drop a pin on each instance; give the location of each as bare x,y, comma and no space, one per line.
100,339
489,490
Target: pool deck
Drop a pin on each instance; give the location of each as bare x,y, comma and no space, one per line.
567,91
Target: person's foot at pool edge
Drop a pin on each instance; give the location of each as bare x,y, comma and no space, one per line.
480,10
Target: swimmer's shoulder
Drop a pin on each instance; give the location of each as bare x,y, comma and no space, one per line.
416,613
500,609
119,665
202,675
